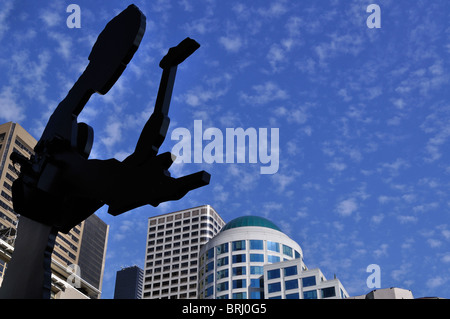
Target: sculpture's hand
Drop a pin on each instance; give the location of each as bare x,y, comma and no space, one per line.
158,185
154,185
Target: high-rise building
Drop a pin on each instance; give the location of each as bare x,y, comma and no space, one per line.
82,248
251,258
172,251
92,256
129,283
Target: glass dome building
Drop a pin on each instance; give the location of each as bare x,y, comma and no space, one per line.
232,263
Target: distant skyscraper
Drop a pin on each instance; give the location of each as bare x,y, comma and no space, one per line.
84,245
172,251
91,259
129,283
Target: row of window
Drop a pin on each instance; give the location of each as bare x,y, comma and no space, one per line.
291,284
173,282
237,271
312,294
167,252
202,233
167,275
242,258
169,219
276,273
185,222
237,295
178,230
161,293
253,245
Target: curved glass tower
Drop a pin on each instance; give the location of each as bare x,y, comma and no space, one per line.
232,263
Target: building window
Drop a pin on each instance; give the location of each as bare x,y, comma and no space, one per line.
210,266
239,283
272,274
256,270
256,258
222,274
273,259
238,245
293,296
309,281
240,295
290,271
328,292
222,286
256,283
209,291
210,253
310,294
221,249
209,279
256,244
275,287
273,246
222,261
237,271
238,258
287,251
256,295
291,284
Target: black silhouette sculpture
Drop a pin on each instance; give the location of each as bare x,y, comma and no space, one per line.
58,187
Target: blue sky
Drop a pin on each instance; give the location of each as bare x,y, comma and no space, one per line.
363,118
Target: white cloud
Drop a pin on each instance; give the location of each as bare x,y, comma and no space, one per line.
382,251
436,282
10,109
276,9
51,17
336,166
339,44
446,258
6,8
231,44
265,93
64,44
403,219
434,243
347,207
112,133
377,219
202,26
282,181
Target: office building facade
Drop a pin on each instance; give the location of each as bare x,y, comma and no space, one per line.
172,251
251,258
69,248
129,283
293,280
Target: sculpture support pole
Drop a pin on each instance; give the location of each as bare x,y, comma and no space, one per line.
28,274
